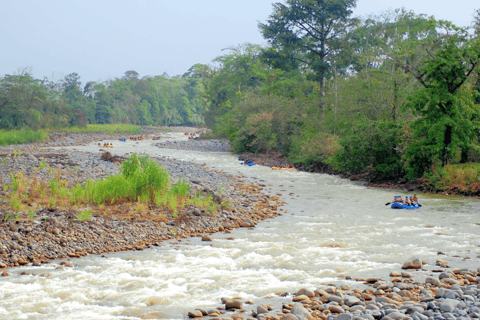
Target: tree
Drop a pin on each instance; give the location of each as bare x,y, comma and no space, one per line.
445,122
476,22
308,31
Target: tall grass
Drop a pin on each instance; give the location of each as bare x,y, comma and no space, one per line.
141,180
21,136
105,128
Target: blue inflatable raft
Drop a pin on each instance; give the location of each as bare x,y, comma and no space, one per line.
397,205
247,162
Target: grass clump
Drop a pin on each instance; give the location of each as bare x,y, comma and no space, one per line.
21,136
105,128
142,185
85,215
140,177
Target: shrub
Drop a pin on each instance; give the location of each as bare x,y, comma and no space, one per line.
371,147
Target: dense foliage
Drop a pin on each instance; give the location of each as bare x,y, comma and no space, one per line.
398,93
26,102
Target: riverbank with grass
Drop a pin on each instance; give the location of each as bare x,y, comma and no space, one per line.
21,137
105,128
57,205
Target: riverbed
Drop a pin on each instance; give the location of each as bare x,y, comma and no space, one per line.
330,228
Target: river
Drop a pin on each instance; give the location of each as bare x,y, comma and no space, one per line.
329,227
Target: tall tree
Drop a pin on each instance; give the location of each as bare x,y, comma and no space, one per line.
445,122
308,31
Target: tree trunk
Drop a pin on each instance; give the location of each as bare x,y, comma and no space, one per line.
446,143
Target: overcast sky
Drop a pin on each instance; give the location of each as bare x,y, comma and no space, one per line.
101,39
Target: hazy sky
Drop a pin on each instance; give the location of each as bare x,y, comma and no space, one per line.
101,39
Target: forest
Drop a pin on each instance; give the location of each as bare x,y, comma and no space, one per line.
392,97
26,102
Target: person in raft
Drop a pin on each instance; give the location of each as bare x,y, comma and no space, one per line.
398,199
414,199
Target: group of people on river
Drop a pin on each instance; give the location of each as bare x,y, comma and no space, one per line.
408,201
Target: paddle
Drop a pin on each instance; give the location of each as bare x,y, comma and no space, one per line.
387,203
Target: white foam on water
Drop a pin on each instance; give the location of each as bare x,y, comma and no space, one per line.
344,228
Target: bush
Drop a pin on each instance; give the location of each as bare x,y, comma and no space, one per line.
313,148
464,177
371,147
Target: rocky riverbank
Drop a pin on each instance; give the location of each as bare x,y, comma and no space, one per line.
197,144
451,294
45,232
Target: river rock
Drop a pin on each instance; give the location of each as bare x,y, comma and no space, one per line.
432,281
233,304
289,316
335,298
195,314
397,315
262,309
441,263
448,305
309,293
301,297
357,308
206,238
300,312
351,300
414,263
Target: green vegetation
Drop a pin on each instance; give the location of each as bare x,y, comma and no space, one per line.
85,215
105,128
141,180
391,97
26,102
21,136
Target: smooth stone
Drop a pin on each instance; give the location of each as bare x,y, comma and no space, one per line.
414,309
432,281
262,309
300,312
357,308
344,316
336,309
396,315
335,299
307,292
206,238
414,263
440,293
301,297
195,314
233,304
289,316
449,294
350,301
448,305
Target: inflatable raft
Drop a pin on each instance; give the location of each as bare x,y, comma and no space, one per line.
397,205
247,162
